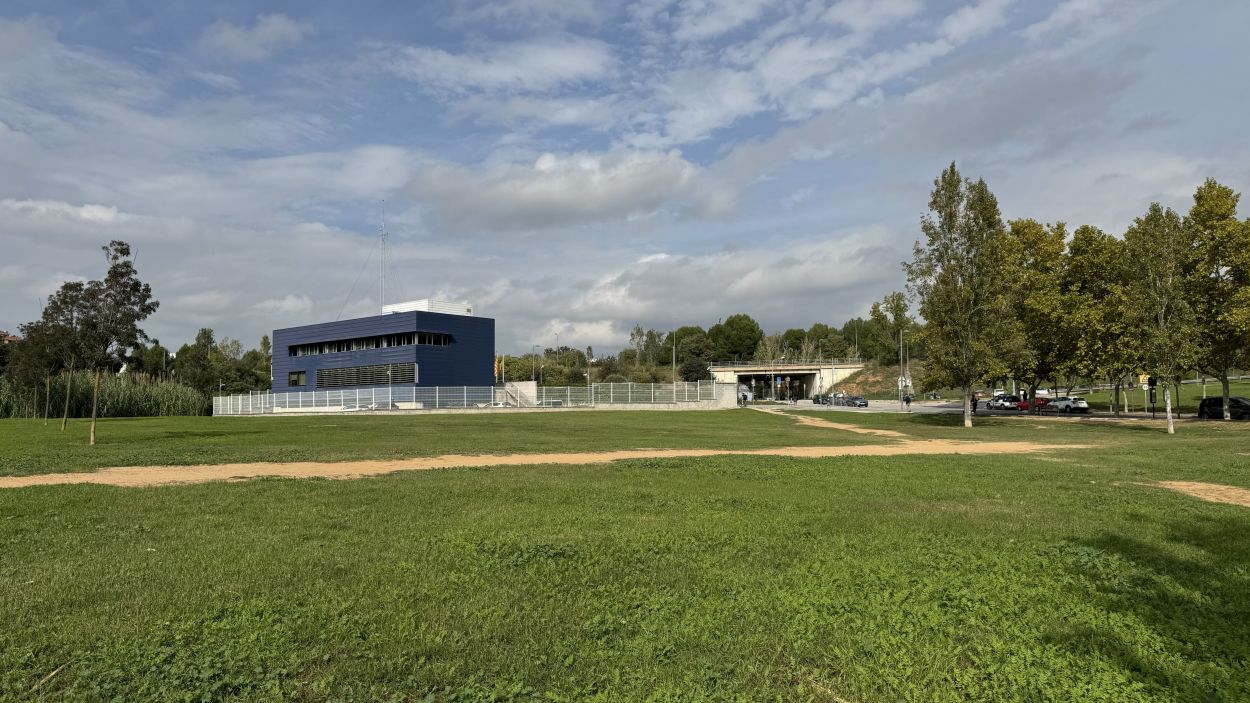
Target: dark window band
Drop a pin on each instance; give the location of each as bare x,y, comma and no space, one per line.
382,341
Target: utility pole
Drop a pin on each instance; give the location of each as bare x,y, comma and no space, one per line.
674,358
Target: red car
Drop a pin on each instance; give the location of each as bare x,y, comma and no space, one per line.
1040,403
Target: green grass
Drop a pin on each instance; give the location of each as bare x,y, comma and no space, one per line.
991,578
27,447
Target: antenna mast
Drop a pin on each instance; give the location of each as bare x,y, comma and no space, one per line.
382,262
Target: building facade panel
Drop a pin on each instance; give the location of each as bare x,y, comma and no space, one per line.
467,359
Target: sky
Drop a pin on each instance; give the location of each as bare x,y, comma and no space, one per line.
574,167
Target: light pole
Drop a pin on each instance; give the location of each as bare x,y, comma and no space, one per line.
674,359
533,361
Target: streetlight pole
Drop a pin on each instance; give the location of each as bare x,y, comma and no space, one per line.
674,359
533,362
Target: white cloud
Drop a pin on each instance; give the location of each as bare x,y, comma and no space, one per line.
535,13
218,80
871,15
286,306
596,113
270,34
704,19
536,65
700,101
560,190
972,21
674,289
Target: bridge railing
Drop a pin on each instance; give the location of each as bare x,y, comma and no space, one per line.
787,362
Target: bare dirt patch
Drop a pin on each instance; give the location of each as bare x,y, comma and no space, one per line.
1213,492
138,476
830,425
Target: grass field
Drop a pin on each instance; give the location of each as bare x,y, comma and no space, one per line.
1061,576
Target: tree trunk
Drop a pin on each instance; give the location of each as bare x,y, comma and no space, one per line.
69,386
95,399
47,398
1167,404
1228,415
967,406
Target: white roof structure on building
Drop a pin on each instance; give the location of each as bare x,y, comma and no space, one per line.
430,305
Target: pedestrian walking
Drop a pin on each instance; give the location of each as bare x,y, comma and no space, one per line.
974,404
907,400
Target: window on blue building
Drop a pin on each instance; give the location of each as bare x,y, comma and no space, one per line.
296,378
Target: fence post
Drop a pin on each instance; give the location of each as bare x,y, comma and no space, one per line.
435,397
653,394
466,396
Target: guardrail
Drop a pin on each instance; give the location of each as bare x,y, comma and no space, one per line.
462,397
787,362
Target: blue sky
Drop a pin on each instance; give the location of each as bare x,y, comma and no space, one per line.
577,167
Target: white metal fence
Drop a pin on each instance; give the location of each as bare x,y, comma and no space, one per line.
442,397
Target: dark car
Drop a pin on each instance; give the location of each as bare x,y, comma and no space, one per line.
856,401
1213,408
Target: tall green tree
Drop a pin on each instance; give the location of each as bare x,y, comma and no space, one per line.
735,338
1033,290
1162,256
1219,238
889,321
956,273
115,307
1099,336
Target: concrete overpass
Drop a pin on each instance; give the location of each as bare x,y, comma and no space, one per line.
804,378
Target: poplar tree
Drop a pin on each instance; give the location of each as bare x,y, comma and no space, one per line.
1161,255
957,274
1219,239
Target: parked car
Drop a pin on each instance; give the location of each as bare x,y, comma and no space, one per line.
822,399
856,401
1041,403
1004,402
1069,405
1213,408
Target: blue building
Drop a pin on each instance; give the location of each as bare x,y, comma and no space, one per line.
421,343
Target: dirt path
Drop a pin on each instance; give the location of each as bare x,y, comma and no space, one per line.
829,425
137,476
1214,492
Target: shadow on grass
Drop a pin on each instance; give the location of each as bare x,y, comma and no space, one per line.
1176,624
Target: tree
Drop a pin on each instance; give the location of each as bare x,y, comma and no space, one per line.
956,274
828,341
792,340
1037,252
1162,254
637,338
57,336
1097,330
1219,238
888,322
194,362
735,338
115,307
771,348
